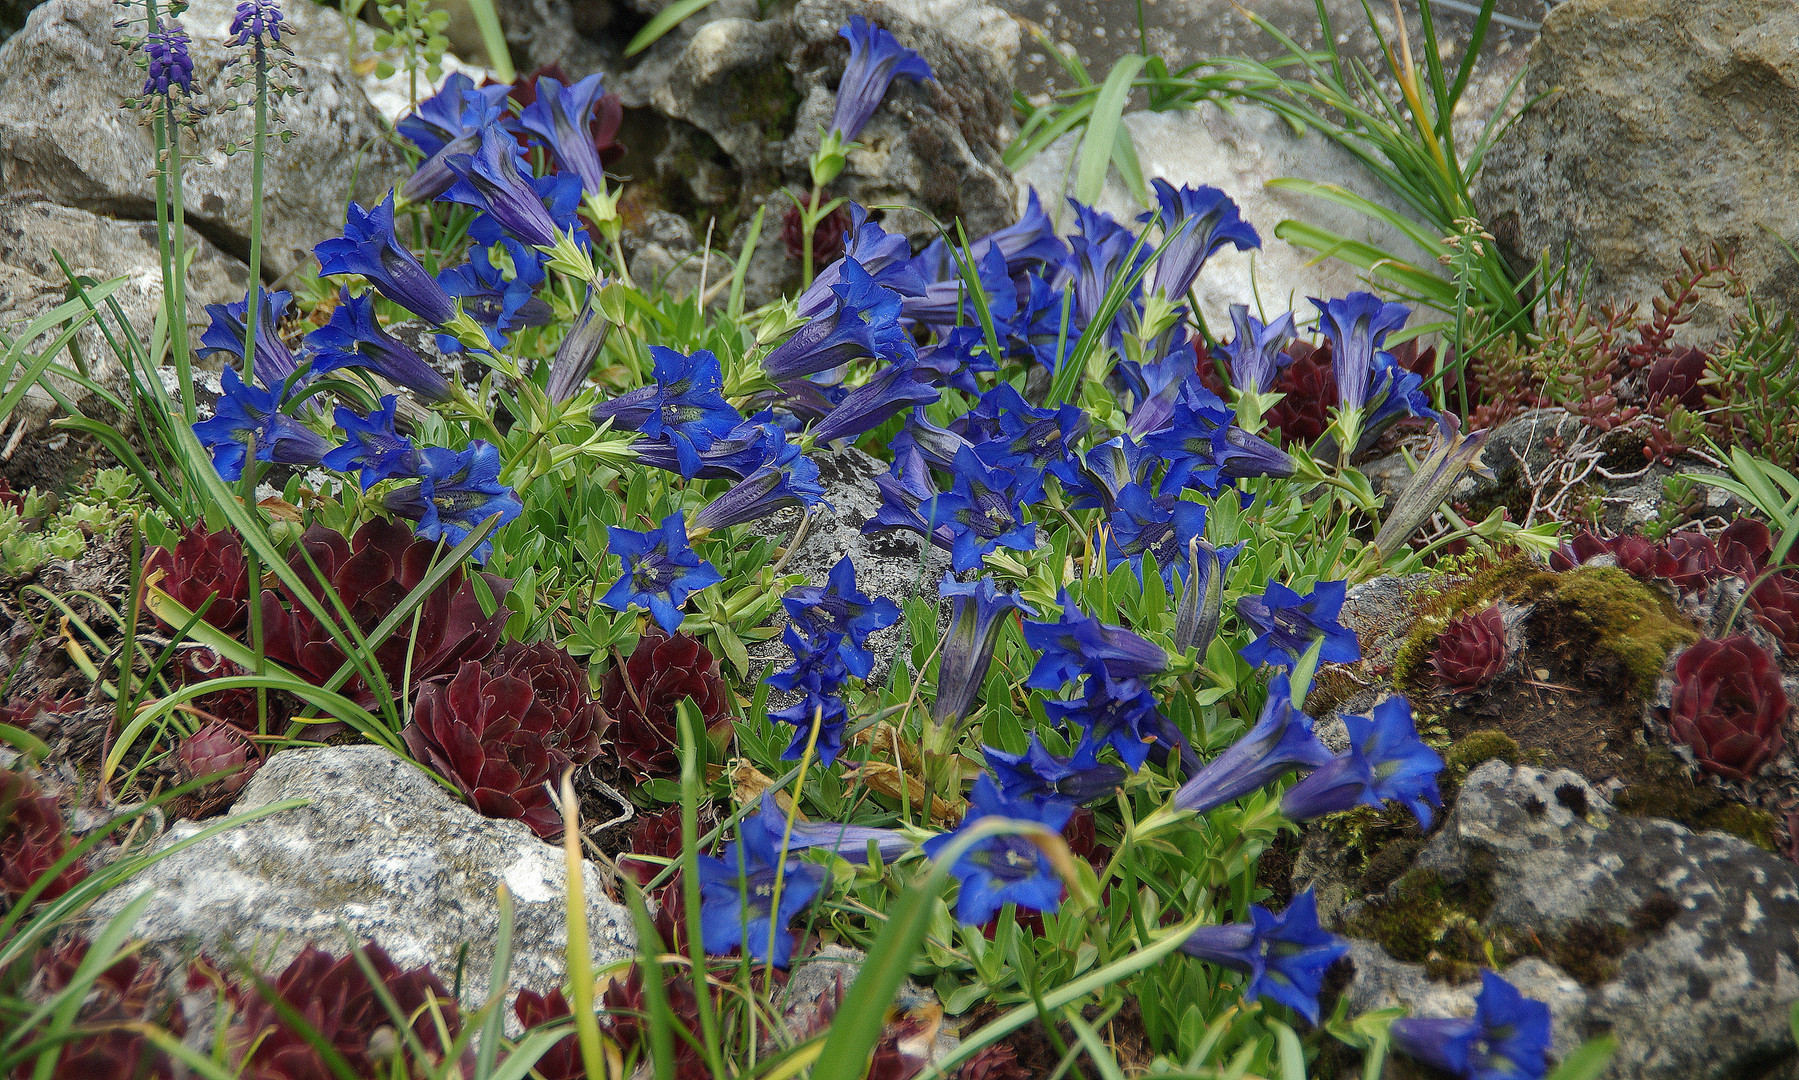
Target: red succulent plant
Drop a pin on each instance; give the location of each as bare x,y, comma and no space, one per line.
503,731
642,695
1696,563
827,236
996,1062
625,1009
1744,547
216,748
206,565
1728,707
372,572
339,1003
32,839
659,837
1310,386
1775,602
1471,650
1677,378
125,992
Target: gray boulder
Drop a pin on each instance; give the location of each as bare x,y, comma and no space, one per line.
65,135
34,231
1671,124
380,851
1691,940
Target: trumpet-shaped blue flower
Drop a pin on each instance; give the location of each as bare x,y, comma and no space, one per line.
1076,641
273,361
247,414
983,510
686,407
1201,220
499,303
1507,1038
768,489
1357,326
739,905
257,22
563,117
1037,773
1287,624
946,303
978,613
1281,741
884,256
922,444
1397,393
1009,433
1100,477
170,66
1118,712
1097,254
353,338
1254,354
876,59
1285,955
1029,241
1006,868
863,325
817,674
891,391
375,448
840,608
1385,760
849,842
370,248
450,114
490,180
749,446
661,570
1142,525
456,492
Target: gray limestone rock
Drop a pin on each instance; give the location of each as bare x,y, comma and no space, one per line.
34,231
1670,124
1708,968
65,135
382,852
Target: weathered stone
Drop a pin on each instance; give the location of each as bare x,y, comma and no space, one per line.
381,852
65,135
1707,925
34,231
730,82
1238,153
1673,123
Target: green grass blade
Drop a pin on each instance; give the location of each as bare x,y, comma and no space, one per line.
1102,127
666,19
1588,1062
493,38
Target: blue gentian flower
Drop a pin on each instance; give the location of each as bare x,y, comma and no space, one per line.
1030,241
983,511
686,407
353,338
1202,600
500,304
749,446
1142,525
1397,393
884,256
927,444
370,248
1281,741
1096,255
1202,220
563,116
1109,468
1255,353
876,59
1190,445
864,325
1118,712
947,303
817,674
903,490
257,22
247,412
738,905
978,613
849,842
891,391
1385,760
490,180
1507,1038
840,608
1007,868
761,493
170,66
1287,624
1357,327
273,362
1285,955
1076,641
1009,433
456,492
375,448
661,570
1037,773
450,114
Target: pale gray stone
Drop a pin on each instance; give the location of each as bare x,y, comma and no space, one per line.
379,851
34,231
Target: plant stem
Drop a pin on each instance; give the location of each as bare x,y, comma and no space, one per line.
807,226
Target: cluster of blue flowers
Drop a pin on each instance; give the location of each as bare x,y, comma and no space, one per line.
828,636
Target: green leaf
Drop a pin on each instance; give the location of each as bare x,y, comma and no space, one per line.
666,19
493,39
1102,127
1588,1062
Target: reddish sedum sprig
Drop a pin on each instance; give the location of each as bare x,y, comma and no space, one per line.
1729,706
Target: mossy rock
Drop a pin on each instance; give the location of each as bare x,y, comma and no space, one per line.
1664,787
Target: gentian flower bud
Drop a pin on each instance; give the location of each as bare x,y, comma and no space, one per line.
1281,741
978,614
864,325
1202,601
1450,453
849,842
893,390
761,493
575,356
876,59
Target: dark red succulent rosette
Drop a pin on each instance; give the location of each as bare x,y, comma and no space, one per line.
1729,707
206,565
827,236
1644,559
372,573
486,732
219,747
32,839
1310,386
1676,378
338,1002
558,683
1696,562
126,992
642,696
1775,603
1744,547
1471,650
